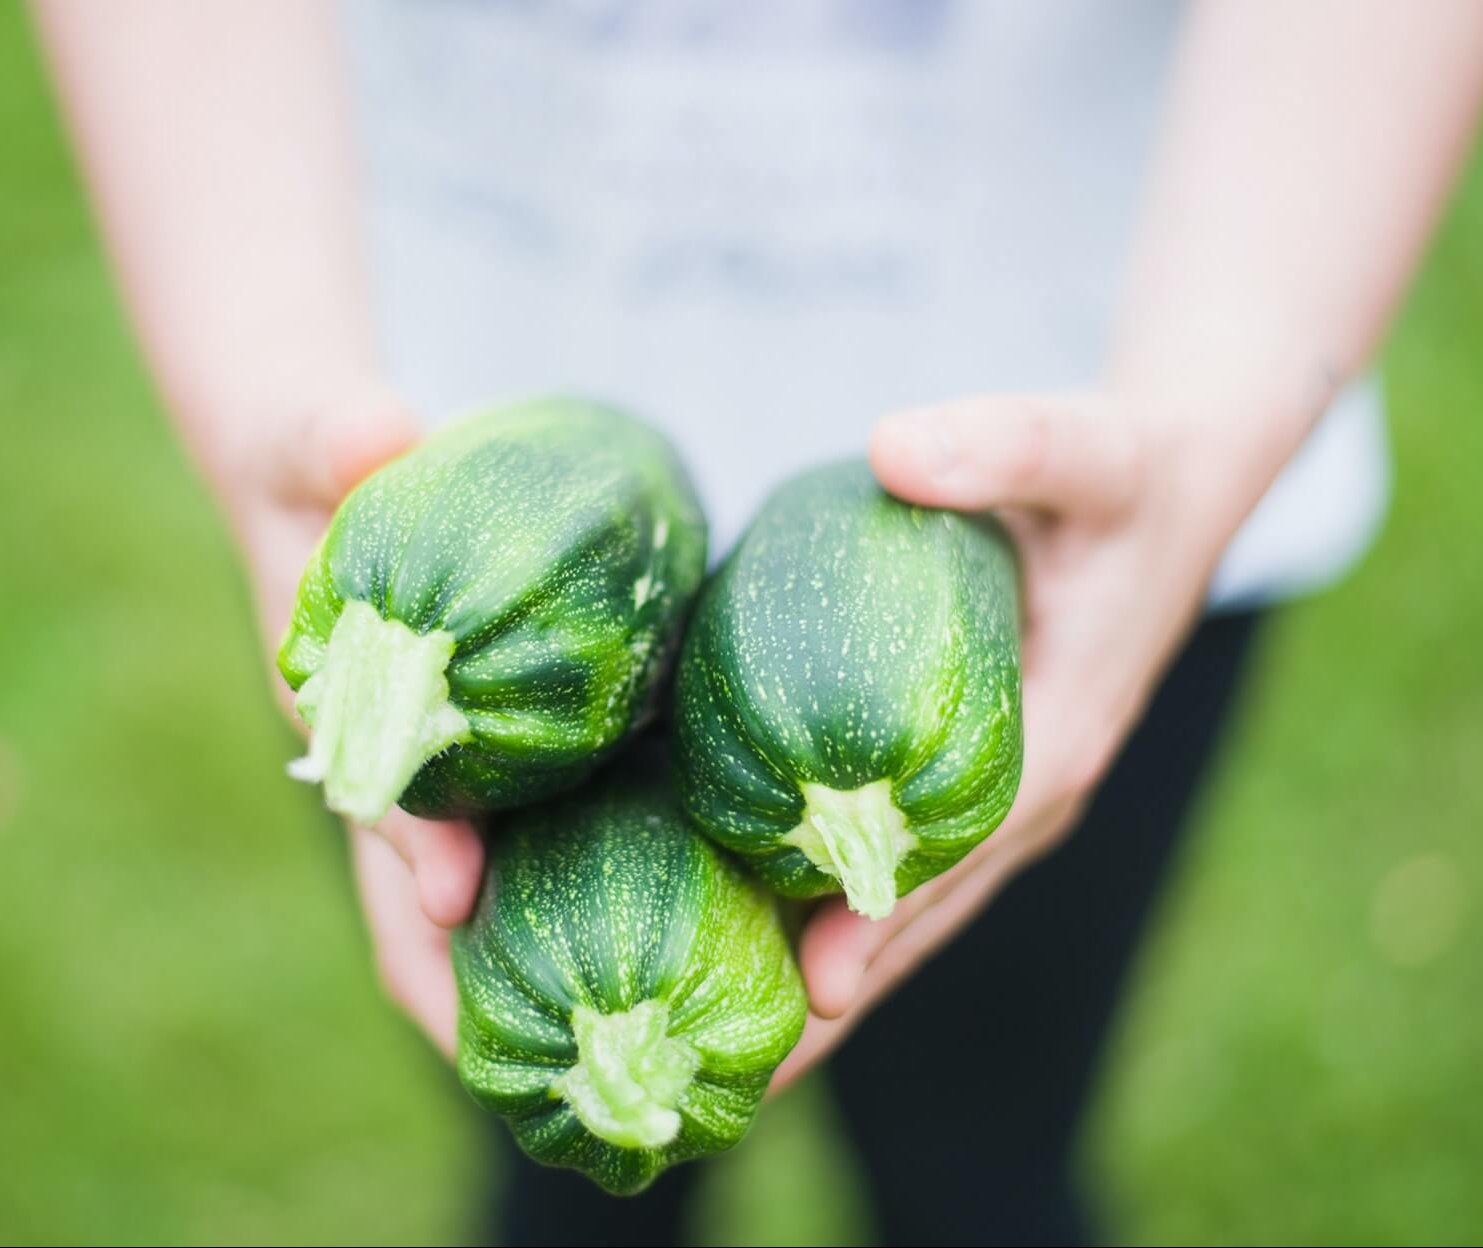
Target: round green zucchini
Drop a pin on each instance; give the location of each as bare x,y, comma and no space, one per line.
625,991
488,615
848,695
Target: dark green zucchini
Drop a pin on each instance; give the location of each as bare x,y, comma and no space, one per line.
488,615
625,992
848,697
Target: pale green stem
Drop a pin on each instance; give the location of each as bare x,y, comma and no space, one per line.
629,1075
857,836
378,709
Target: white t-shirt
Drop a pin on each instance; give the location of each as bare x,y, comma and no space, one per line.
761,225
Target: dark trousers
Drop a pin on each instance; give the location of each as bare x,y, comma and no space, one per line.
963,1093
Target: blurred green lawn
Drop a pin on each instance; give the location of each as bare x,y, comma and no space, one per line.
192,1046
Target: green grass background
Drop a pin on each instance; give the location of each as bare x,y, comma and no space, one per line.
192,1045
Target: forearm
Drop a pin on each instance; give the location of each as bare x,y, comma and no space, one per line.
213,140
1307,151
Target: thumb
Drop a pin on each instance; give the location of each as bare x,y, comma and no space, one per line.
1072,455
324,452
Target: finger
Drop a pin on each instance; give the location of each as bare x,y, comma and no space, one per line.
330,447
447,861
936,924
820,1037
411,952
842,956
1066,455
838,946
892,949
833,953
849,963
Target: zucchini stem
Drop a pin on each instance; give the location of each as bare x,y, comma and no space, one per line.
628,1076
377,709
859,837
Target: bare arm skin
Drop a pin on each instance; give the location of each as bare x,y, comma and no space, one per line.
214,142
1307,150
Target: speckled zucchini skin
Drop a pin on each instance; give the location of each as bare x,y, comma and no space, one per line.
852,638
609,898
560,543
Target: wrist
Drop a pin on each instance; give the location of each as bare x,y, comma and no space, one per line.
1218,444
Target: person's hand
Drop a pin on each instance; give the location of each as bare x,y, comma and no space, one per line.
1119,510
417,877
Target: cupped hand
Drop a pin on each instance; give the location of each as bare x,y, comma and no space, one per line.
417,877
1119,511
